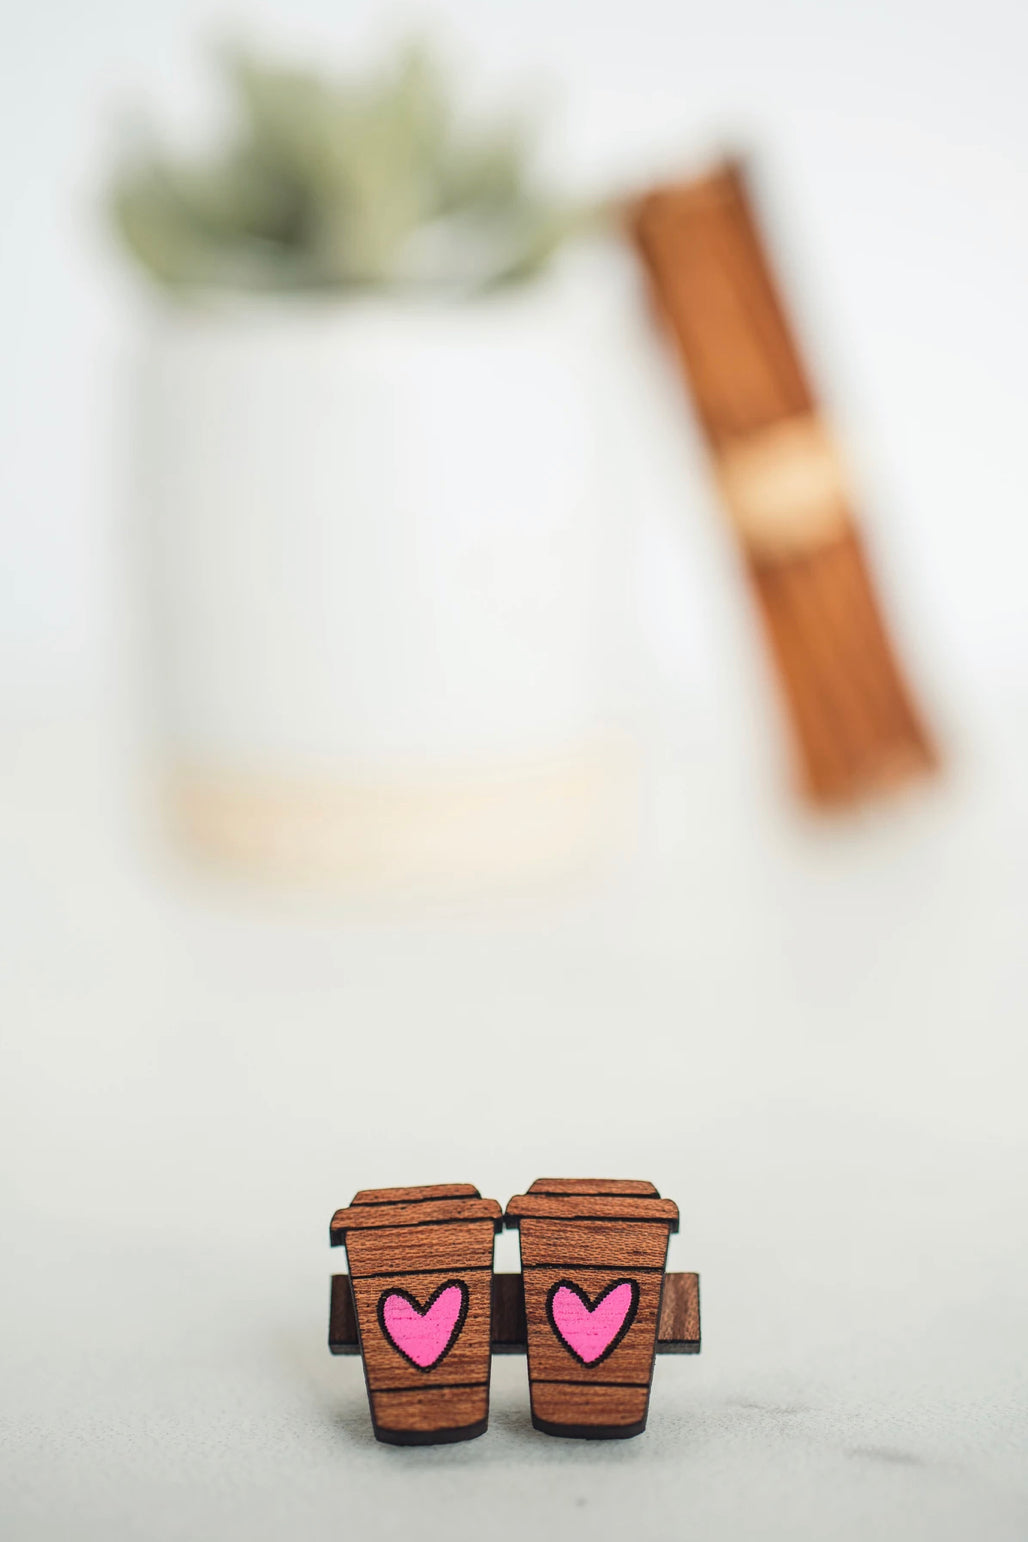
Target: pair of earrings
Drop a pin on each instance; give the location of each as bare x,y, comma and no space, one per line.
592,1305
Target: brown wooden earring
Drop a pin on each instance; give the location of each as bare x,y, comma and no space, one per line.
593,1305
420,1294
593,1255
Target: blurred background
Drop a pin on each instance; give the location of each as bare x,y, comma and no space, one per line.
398,786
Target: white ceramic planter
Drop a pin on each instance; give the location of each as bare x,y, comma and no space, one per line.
377,545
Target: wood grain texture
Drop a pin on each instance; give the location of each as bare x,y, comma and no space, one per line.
401,1251
592,1186
509,1328
635,1245
427,1212
589,1412
432,1416
342,1319
856,728
631,1362
467,1362
587,1245
412,1195
591,1207
678,1330
435,1248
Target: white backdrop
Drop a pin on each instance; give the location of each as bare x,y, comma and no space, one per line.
895,140
828,1022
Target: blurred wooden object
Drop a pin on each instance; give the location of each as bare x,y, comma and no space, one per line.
782,482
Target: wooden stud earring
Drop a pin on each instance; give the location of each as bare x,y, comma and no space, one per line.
419,1295
593,1255
423,1307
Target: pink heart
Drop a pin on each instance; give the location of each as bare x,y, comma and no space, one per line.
423,1334
592,1329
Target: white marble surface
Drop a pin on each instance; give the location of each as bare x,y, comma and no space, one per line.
827,1070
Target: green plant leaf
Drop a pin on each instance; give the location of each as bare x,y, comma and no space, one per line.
333,184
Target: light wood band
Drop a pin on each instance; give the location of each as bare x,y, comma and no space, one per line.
785,488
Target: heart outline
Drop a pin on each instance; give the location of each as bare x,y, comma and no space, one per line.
590,1304
423,1311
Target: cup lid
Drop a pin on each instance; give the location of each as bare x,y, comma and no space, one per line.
592,1199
